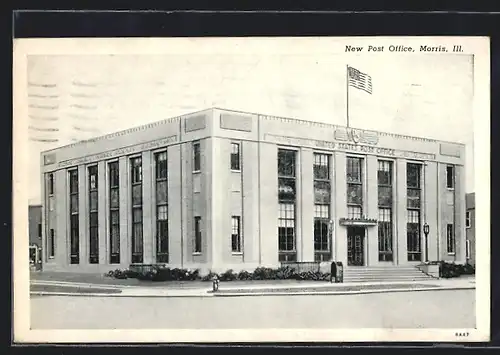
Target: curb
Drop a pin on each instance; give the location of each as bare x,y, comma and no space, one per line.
249,294
79,284
325,293
154,295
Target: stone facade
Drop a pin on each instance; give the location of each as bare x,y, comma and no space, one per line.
216,193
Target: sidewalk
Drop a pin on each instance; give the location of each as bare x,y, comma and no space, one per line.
253,288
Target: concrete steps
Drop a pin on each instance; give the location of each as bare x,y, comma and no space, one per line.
384,274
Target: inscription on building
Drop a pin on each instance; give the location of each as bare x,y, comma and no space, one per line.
451,150
236,122
195,123
118,152
49,159
348,147
356,136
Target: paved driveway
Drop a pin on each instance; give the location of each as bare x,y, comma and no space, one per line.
430,309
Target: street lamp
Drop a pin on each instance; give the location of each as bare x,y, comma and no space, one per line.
426,233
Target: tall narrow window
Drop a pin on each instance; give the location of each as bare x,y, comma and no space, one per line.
39,231
197,235
322,199
467,249
450,176
287,201
450,238
467,219
384,177
196,157
51,244
235,234
137,242
235,156
114,212
354,174
93,216
73,218
414,247
51,184
161,207
322,232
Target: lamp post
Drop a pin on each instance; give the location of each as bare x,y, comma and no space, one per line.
426,233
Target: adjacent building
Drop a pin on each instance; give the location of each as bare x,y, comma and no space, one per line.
35,224
221,189
470,225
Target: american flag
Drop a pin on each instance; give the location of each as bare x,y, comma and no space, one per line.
359,80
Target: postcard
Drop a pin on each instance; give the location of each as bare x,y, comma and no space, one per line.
251,189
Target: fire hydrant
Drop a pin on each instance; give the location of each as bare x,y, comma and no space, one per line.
215,283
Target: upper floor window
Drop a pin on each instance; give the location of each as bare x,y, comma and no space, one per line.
413,176
450,176
235,156
114,174
93,199
321,166
51,184
286,163
467,219
384,176
73,182
354,181
354,172
161,165
286,175
136,165
196,157
321,170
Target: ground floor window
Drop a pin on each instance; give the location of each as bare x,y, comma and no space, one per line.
413,236
162,234
114,229
322,244
354,211
236,234
74,240
385,234
467,249
450,238
94,238
286,232
137,235
197,235
51,244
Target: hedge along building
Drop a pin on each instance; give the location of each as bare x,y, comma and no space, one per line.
221,189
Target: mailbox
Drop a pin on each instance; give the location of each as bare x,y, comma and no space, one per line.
337,272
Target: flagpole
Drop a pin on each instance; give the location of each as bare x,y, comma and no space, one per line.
347,94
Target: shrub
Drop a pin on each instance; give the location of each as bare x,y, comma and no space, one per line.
209,276
245,275
264,273
285,273
229,275
449,270
117,274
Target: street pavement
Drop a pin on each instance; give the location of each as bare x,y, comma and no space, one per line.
255,288
430,309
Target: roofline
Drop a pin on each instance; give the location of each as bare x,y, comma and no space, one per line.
340,126
250,113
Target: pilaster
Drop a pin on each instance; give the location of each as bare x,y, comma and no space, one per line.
400,215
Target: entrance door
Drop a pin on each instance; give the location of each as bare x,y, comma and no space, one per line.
355,246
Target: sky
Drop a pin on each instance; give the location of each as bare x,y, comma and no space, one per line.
75,97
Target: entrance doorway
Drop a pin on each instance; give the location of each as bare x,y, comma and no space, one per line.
355,246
